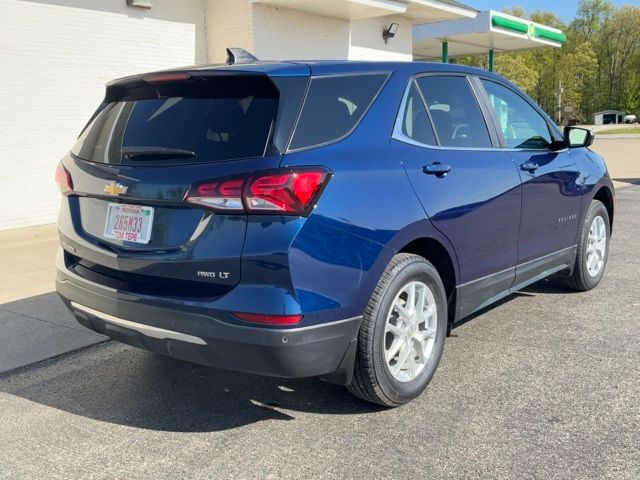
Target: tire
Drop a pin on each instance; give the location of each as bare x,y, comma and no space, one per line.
583,278
389,383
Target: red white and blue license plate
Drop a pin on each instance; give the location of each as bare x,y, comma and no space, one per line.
129,223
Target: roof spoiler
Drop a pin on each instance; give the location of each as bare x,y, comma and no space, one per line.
239,55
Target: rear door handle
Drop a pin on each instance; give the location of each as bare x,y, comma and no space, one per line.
436,168
529,166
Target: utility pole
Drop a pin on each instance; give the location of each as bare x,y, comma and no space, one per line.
560,92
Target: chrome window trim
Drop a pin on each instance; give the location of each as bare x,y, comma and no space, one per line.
397,127
401,137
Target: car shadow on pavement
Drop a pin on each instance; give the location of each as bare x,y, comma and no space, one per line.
123,385
552,286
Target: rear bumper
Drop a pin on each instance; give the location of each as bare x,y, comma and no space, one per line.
326,350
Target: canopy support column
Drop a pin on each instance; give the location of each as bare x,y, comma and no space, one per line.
491,60
445,52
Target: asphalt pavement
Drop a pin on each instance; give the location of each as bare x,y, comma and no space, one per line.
544,385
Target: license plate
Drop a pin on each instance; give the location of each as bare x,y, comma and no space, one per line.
130,223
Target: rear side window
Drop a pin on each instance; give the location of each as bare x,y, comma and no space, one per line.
333,107
415,120
521,125
203,120
456,116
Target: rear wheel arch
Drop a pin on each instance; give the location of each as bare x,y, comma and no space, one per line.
435,252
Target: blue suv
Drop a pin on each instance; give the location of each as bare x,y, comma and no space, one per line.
331,219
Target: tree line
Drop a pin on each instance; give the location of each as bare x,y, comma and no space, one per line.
598,68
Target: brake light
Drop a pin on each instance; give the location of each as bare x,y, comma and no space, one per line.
63,179
269,319
286,191
165,77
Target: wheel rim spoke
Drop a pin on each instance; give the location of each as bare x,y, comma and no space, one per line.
395,329
397,344
403,356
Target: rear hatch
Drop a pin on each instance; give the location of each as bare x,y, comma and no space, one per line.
151,140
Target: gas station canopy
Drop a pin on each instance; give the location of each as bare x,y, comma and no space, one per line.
488,32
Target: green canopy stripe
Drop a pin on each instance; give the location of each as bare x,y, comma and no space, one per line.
509,24
559,37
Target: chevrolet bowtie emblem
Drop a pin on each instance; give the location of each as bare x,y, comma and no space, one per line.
115,188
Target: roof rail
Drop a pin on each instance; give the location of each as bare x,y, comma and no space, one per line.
239,55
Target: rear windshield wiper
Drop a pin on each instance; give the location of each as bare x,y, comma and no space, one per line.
141,153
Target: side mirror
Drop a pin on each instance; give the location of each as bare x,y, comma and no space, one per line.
576,137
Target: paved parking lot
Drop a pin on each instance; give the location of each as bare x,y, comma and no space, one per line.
544,385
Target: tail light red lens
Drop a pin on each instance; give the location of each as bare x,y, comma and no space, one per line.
63,179
269,319
286,191
290,192
223,196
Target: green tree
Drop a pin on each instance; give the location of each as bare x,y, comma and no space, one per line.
590,16
519,70
631,95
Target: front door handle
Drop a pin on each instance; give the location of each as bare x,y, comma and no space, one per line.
436,168
529,166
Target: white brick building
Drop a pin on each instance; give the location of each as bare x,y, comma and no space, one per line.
56,55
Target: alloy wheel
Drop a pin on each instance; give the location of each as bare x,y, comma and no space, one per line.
596,246
410,331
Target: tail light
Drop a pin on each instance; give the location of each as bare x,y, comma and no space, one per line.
269,319
292,191
223,196
63,179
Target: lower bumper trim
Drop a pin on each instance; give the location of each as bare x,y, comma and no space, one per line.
148,330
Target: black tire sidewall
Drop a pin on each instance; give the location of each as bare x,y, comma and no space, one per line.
402,392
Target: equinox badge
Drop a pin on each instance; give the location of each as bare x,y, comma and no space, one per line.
115,188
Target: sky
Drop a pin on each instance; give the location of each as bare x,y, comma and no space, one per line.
565,9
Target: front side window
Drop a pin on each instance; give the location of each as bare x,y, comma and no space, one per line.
521,125
456,116
333,107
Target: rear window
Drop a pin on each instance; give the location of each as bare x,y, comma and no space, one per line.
201,120
333,107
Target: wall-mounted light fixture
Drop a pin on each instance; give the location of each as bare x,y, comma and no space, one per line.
140,3
390,32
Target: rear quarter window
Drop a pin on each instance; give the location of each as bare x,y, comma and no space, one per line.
333,107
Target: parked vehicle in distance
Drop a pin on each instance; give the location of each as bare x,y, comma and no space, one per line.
331,218
630,119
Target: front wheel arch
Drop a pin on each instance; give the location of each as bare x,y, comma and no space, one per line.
606,196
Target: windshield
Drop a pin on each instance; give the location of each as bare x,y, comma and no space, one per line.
206,121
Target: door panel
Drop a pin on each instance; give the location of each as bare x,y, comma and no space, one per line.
550,204
550,191
470,193
477,207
